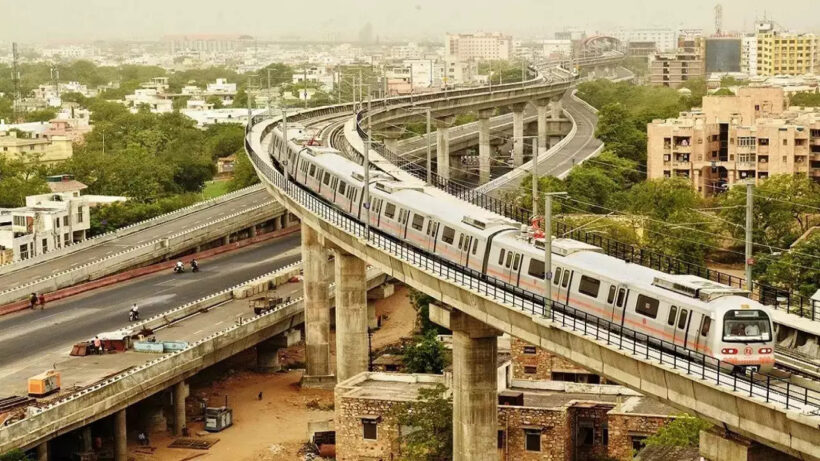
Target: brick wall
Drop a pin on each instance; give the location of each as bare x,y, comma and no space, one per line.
350,442
623,427
554,425
535,364
589,425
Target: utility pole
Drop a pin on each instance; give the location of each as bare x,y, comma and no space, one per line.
361,83
535,176
749,210
304,83
548,251
285,138
429,151
523,72
15,78
367,180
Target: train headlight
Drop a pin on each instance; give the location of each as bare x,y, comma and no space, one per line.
729,351
765,350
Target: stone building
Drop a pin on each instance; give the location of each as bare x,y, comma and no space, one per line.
532,363
554,421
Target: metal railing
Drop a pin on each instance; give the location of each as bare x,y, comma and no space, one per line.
695,364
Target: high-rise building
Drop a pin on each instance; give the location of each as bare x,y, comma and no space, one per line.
665,39
785,53
481,46
723,54
749,136
673,69
748,55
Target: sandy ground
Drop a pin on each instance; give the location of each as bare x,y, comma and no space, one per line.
274,428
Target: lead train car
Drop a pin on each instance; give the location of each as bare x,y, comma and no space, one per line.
685,311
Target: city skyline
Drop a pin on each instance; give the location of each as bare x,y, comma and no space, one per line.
46,20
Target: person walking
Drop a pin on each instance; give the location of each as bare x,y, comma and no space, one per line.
33,300
98,347
42,300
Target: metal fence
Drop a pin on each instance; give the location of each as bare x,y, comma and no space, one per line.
693,363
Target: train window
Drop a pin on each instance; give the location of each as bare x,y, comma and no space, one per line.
460,241
390,210
342,187
509,260
475,245
312,170
501,257
589,286
536,269
621,297
673,311
611,296
704,328
326,179
682,318
516,261
565,280
418,222
448,235
557,277
647,306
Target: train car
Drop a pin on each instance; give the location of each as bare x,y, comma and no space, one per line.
679,312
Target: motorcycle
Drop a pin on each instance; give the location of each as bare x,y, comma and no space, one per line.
194,267
133,316
179,269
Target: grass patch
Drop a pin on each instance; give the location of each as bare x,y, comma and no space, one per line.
214,189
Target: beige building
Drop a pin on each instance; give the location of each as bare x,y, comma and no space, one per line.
749,136
481,46
36,147
783,53
536,420
673,69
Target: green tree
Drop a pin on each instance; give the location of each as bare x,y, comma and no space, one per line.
421,303
73,97
215,100
113,216
14,455
503,71
42,115
425,354
425,425
683,431
241,98
797,269
19,179
727,81
225,139
618,132
723,92
805,99
243,173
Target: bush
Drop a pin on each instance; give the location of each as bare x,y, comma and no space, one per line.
111,217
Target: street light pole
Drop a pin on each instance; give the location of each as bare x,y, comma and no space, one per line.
285,138
749,211
366,197
429,152
548,251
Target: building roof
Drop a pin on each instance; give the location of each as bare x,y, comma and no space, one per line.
661,453
66,186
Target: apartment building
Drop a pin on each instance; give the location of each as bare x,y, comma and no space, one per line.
665,40
544,420
35,147
481,46
749,136
673,69
748,55
785,53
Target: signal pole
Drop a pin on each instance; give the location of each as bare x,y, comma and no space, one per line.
749,211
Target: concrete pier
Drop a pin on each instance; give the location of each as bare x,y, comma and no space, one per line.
475,404
557,108
180,393
484,145
42,451
352,348
518,134
120,437
443,125
543,130
317,307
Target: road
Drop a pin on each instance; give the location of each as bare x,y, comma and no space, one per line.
59,264
32,341
581,146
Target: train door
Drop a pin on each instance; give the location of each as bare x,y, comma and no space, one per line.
566,283
682,328
619,302
702,333
465,241
556,282
432,235
507,267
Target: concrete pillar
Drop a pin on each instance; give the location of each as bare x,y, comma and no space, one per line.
317,308
226,240
443,125
391,136
284,220
372,319
277,223
180,393
352,345
42,451
475,401
518,133
252,231
557,107
484,145
543,107
267,352
717,445
87,445
120,437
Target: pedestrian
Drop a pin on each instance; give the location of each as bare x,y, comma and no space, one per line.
98,345
260,395
42,300
143,440
33,300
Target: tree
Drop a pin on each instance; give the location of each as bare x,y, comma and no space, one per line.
241,98
225,139
805,99
243,173
727,81
425,425
619,134
723,92
42,115
215,100
19,179
14,455
683,431
421,303
425,354
73,96
797,269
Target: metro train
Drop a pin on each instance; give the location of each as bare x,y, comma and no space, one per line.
689,312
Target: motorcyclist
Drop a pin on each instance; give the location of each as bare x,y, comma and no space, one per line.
134,314
194,266
179,267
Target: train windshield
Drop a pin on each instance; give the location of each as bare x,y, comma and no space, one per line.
746,326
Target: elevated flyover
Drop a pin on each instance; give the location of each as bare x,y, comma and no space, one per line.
778,414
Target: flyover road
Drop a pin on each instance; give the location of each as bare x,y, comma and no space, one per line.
31,342
27,274
580,147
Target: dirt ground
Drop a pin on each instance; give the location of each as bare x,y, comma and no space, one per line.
274,428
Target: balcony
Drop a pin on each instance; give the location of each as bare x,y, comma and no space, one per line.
680,165
683,149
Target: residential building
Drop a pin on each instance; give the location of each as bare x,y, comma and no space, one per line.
532,363
148,97
673,69
665,40
223,90
748,55
319,75
785,53
723,54
480,46
536,420
425,73
557,48
35,147
180,44
459,72
749,136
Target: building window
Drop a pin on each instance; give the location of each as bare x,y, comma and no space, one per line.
79,214
586,434
530,370
637,442
532,439
370,428
529,350
501,439
65,239
45,245
24,251
65,220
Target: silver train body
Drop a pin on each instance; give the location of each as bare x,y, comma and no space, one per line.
686,311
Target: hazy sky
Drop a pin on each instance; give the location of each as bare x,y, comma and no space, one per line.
58,20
